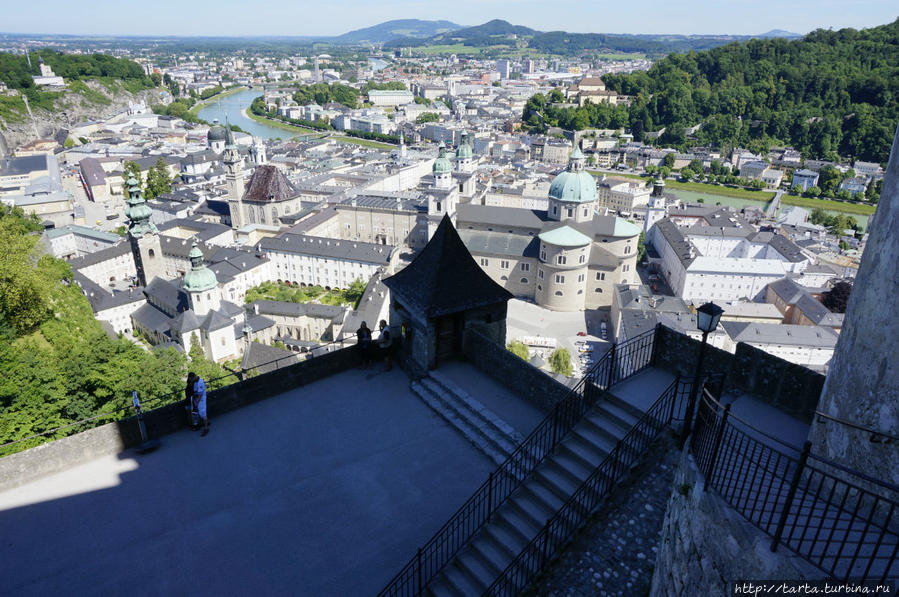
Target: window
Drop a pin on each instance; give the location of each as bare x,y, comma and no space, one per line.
504,278
598,289
581,277
539,287
555,209
560,279
627,249
525,267
503,264
626,267
438,206
540,273
524,280
561,259
558,293
570,212
484,261
543,255
151,253
600,275
582,259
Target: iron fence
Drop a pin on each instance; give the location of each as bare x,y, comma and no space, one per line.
477,511
842,521
583,503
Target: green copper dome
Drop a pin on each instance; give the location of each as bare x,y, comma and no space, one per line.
216,132
574,184
464,150
200,278
442,164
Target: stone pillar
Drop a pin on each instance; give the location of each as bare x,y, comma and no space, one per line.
862,385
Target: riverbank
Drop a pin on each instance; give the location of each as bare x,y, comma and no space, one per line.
277,123
363,142
194,111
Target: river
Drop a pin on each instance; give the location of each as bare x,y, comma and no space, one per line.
231,106
377,63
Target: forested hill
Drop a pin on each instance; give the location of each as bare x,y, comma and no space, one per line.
829,92
15,72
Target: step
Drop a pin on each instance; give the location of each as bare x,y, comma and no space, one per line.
624,406
583,450
489,416
519,521
492,553
505,528
460,581
583,437
510,542
618,415
533,506
560,481
501,442
459,424
479,571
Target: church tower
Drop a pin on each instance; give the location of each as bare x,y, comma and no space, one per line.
257,152
442,170
465,155
234,180
201,284
143,235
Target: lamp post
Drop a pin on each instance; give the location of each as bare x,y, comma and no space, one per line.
707,318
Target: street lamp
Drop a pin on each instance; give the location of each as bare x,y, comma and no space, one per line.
707,318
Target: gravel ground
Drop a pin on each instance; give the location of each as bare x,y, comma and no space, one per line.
615,554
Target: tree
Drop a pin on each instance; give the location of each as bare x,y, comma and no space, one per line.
519,349
668,160
158,180
23,281
560,362
641,247
812,191
355,291
130,169
212,373
686,173
427,117
837,297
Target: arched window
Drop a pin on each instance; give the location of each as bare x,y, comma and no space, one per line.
252,215
539,287
151,253
582,259
558,293
599,290
524,280
627,250
561,259
504,278
274,214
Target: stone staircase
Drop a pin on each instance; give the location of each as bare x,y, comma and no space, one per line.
489,433
524,514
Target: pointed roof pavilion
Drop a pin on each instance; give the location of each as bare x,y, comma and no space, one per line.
444,278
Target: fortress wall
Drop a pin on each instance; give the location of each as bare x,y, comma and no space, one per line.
791,388
522,378
705,544
22,467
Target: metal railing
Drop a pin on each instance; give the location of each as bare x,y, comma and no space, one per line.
153,402
875,437
617,364
844,522
583,503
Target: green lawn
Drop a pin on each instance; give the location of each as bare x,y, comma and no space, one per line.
364,142
849,208
711,189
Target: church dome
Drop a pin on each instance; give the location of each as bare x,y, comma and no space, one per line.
216,132
200,278
442,164
574,184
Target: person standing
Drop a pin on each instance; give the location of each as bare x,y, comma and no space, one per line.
385,342
193,416
200,402
363,341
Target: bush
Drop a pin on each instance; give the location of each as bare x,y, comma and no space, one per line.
560,362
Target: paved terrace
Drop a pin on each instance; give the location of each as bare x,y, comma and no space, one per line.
323,490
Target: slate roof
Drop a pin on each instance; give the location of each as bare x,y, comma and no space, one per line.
264,358
168,294
150,317
93,172
215,321
288,309
500,243
500,216
186,321
782,334
269,184
116,250
327,247
444,278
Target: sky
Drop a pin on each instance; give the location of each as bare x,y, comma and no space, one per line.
333,17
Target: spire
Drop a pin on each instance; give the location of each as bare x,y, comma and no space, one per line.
229,136
200,278
138,211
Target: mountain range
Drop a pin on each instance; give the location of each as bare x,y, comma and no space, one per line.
390,30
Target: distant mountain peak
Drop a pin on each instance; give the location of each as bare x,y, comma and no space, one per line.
388,30
780,33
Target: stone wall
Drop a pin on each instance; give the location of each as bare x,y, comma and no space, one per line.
22,467
863,382
791,388
706,545
522,378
